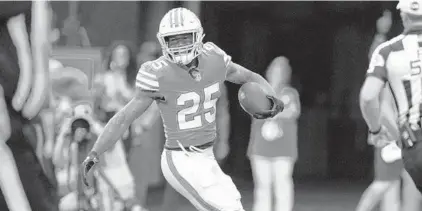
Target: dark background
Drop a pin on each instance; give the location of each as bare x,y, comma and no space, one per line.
327,44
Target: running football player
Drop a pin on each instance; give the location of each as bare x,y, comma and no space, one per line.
185,82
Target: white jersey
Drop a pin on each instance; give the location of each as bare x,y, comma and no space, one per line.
398,62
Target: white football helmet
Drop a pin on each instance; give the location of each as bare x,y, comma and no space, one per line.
412,7
180,21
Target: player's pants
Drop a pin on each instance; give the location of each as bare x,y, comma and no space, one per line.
24,186
386,171
198,177
412,159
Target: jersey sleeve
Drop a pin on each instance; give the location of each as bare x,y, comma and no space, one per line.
214,49
147,79
377,65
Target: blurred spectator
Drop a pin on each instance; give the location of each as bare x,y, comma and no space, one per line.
73,33
273,146
70,32
55,33
114,87
77,134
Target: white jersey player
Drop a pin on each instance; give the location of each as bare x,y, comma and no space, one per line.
397,63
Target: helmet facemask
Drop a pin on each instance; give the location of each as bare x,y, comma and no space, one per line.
182,48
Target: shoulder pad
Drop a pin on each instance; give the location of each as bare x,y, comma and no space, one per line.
148,75
211,48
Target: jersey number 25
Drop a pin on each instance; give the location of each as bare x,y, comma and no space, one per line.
209,103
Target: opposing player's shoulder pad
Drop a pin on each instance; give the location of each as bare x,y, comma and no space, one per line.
148,75
211,48
380,55
377,65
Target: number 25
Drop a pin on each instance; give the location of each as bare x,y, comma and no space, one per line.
196,99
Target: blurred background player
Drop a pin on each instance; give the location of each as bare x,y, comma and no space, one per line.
273,146
188,70
386,185
25,83
390,63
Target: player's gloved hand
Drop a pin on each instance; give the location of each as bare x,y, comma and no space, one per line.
88,165
277,107
379,138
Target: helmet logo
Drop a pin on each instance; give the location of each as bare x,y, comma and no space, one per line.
414,6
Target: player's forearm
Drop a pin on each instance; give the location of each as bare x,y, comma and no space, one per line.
371,113
113,131
254,77
240,75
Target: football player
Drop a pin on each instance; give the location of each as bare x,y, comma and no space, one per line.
386,184
185,82
397,63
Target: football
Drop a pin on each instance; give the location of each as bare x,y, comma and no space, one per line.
252,98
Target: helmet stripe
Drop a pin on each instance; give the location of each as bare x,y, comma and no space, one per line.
172,18
177,16
181,17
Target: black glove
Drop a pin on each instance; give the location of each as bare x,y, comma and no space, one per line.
88,165
277,107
